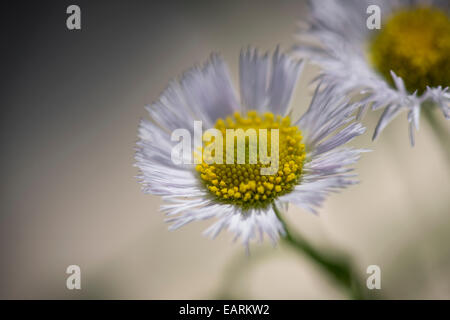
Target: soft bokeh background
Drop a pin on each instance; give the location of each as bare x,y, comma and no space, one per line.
71,102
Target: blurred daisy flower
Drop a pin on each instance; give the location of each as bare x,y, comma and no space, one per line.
403,66
312,162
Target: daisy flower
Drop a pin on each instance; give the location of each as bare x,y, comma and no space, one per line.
403,66
312,162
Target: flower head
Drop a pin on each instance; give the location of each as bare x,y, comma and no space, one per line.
404,66
279,159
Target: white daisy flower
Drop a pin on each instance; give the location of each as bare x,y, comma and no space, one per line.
312,158
404,66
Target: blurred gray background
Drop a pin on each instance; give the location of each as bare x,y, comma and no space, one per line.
70,106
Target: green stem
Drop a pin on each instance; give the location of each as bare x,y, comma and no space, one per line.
338,268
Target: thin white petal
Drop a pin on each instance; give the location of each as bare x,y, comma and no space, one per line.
209,91
253,79
285,73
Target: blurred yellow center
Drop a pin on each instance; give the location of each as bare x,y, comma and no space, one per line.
415,44
243,184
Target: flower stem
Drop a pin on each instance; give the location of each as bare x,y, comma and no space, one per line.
338,267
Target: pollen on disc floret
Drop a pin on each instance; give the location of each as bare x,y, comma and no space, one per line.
415,44
243,184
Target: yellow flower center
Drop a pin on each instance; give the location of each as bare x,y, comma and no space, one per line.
245,184
415,44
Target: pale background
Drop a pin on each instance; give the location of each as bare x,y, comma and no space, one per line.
70,113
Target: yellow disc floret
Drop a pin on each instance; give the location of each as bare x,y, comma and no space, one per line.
415,44
244,184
